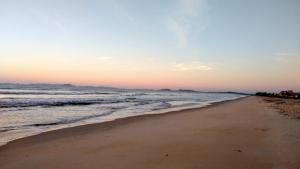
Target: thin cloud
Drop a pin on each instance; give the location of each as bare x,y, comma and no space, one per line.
286,58
54,19
59,25
180,20
192,66
283,54
104,58
191,7
123,12
281,59
179,30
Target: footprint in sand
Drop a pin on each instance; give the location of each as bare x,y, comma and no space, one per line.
261,129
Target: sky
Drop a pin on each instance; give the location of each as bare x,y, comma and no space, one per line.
215,45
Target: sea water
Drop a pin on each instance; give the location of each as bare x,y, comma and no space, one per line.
27,110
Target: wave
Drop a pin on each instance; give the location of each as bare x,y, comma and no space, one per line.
31,103
52,93
55,123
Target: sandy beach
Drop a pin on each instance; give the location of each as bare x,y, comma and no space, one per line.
246,133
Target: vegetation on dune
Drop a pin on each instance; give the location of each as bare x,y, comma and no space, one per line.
282,94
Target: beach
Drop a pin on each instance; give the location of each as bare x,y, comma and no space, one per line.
288,107
246,133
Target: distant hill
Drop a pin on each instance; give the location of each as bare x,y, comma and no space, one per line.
46,86
187,90
165,90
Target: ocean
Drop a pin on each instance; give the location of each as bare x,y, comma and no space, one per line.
30,109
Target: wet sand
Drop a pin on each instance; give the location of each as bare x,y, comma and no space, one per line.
246,133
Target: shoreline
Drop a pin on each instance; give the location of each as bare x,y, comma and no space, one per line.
241,133
148,114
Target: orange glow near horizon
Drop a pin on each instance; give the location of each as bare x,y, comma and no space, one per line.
140,79
135,72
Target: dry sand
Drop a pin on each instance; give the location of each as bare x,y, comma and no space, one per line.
286,106
241,134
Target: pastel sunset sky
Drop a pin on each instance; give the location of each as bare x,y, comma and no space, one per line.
240,45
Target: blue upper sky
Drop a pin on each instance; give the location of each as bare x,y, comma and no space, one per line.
210,44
